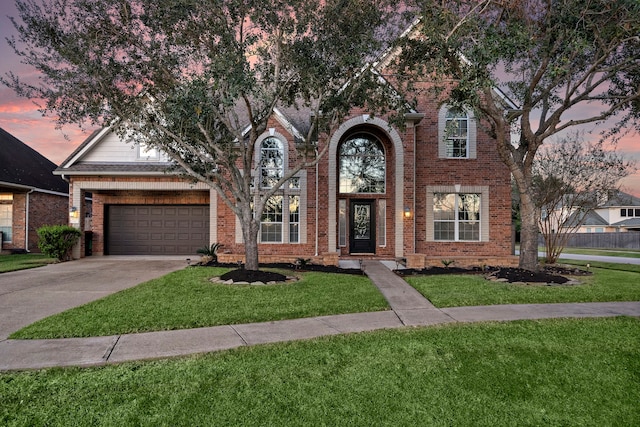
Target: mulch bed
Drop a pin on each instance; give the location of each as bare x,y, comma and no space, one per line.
547,274
250,276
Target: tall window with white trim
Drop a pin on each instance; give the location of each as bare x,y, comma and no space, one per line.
271,162
6,217
457,133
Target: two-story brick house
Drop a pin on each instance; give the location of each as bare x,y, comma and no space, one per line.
434,190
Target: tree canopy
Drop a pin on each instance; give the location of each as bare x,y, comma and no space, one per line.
531,68
571,178
199,79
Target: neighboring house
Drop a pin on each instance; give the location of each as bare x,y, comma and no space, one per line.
420,193
30,195
620,213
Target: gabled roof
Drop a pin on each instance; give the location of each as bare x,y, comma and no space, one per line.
23,167
620,199
593,218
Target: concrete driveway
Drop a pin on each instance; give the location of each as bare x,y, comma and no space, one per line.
30,295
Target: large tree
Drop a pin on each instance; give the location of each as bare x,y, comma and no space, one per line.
562,63
571,178
199,79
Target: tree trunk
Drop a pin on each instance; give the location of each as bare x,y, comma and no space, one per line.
528,234
250,229
251,252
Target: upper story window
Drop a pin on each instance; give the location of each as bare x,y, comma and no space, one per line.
456,133
271,162
146,152
630,212
362,165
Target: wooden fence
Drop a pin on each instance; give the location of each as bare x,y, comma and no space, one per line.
629,240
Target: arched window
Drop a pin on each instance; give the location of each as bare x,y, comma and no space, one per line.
362,165
271,162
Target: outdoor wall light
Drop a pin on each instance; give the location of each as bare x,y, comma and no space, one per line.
407,212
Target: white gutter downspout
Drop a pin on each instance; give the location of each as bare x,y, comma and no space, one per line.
26,222
415,181
316,221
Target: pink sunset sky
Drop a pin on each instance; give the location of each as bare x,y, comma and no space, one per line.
20,117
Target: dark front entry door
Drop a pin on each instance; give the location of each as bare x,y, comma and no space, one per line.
362,228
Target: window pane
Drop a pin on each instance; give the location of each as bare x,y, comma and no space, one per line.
294,219
444,231
294,183
382,222
6,222
623,212
444,207
271,221
469,207
342,222
362,165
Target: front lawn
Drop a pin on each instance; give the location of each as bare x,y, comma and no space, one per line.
187,299
467,290
23,261
529,373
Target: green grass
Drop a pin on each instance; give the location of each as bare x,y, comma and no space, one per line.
627,253
529,373
23,262
468,290
187,299
606,265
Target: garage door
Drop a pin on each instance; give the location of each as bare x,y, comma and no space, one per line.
156,229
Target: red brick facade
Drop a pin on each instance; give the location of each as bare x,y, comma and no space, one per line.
43,209
413,166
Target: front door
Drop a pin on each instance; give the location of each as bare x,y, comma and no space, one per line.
362,227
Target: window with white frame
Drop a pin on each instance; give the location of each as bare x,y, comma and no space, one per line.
271,162
148,153
457,133
281,218
456,217
294,219
6,216
271,221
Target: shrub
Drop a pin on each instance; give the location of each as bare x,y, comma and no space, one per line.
56,241
210,251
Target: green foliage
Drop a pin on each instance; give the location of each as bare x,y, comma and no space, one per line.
562,372
549,58
56,241
190,77
211,251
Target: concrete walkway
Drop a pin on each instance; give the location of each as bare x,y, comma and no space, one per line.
409,308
